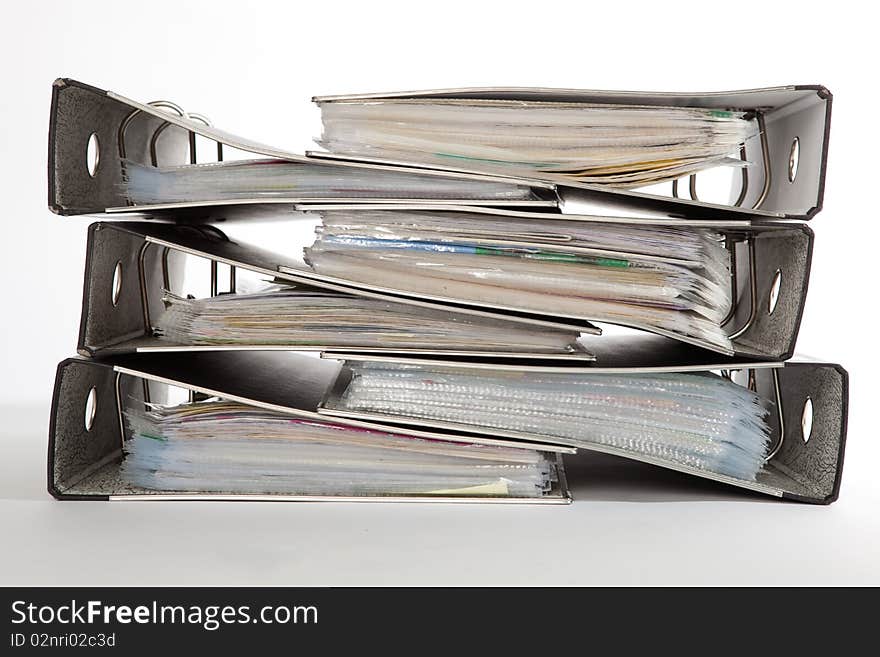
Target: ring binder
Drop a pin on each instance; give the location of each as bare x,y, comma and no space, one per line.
765,256
84,462
790,117
147,256
80,110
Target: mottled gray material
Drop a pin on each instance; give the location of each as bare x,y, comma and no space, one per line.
812,469
76,451
808,120
103,324
789,251
78,110
106,480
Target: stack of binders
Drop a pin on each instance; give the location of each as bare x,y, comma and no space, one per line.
440,338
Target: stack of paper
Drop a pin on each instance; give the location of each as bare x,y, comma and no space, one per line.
268,179
285,315
672,280
620,145
220,446
699,420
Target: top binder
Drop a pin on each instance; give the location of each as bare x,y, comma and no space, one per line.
788,144
98,140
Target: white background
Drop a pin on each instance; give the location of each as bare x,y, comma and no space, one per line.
253,68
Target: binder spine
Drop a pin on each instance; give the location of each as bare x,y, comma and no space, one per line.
798,137
117,304
770,289
84,117
811,418
84,429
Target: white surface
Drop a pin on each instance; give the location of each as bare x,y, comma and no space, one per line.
253,68
630,524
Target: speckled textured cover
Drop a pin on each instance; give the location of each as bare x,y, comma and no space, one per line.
78,110
84,464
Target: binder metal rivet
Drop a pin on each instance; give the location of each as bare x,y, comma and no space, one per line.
807,419
793,157
93,154
91,408
773,299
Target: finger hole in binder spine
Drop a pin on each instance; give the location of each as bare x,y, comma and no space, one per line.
794,159
93,154
116,288
775,286
91,408
807,420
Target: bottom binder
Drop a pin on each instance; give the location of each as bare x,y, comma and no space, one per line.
806,421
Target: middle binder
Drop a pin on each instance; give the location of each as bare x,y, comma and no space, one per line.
135,277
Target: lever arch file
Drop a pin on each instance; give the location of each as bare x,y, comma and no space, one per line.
806,422
768,285
130,267
151,142
90,429
787,145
